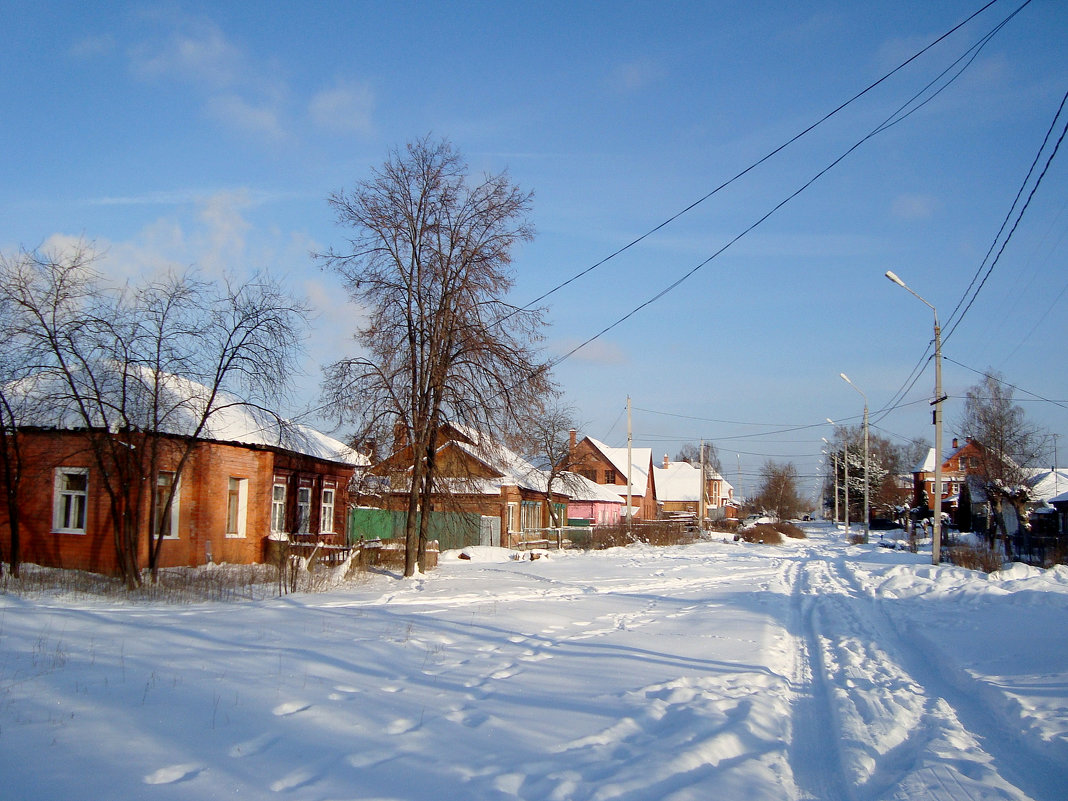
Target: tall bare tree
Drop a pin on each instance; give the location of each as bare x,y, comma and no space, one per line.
778,492
546,442
143,371
1008,443
429,262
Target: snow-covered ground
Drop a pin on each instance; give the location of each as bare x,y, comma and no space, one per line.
714,671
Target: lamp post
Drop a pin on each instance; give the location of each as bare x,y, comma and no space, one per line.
936,537
845,478
834,456
867,515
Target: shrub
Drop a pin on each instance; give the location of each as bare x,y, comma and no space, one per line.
973,558
790,530
653,532
764,533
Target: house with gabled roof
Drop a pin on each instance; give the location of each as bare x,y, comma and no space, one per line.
678,489
250,477
477,475
605,465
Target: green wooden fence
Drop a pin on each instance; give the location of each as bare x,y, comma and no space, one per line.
452,530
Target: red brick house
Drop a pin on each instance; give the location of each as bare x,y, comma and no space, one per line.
478,476
607,466
963,460
246,478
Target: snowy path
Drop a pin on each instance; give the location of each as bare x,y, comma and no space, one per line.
811,671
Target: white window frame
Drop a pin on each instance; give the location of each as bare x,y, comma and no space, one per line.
326,510
513,516
59,493
175,504
304,507
531,515
278,507
241,516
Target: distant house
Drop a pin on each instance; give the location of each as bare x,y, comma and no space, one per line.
678,490
963,461
607,466
598,505
474,474
249,476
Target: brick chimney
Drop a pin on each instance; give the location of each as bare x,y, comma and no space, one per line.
666,462
954,443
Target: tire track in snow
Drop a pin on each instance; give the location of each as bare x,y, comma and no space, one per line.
814,756
897,736
1035,766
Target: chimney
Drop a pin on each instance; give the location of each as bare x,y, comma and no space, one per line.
571,443
666,462
954,443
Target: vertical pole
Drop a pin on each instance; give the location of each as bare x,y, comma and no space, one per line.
936,538
836,488
701,507
845,452
867,479
630,463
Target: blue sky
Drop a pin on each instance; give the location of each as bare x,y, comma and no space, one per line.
212,134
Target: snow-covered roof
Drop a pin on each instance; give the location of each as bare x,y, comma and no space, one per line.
580,488
679,481
927,464
640,460
514,469
180,410
1046,484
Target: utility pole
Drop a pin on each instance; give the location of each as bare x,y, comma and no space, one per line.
630,464
701,507
845,452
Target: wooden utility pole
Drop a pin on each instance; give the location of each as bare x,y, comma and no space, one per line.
630,463
702,507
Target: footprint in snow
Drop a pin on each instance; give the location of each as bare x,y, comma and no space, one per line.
257,745
172,774
290,708
401,726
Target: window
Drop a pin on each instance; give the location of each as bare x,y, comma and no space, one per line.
531,515
167,525
278,508
326,512
609,476
69,500
590,474
304,495
236,507
513,516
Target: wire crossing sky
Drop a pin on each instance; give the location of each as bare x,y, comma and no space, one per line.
212,134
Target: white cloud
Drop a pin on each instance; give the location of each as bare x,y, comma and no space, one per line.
196,51
93,46
346,108
914,207
245,116
236,91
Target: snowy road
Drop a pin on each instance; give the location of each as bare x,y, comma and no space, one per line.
811,671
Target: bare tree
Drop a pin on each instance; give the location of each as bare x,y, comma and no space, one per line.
15,368
429,263
777,492
546,442
1007,444
142,372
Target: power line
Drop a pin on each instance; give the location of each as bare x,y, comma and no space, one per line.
898,115
764,158
1008,216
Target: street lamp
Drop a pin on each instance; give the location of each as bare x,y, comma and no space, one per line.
867,516
834,456
936,538
845,477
